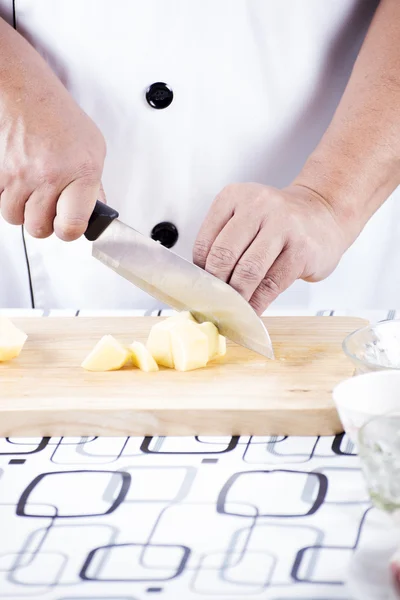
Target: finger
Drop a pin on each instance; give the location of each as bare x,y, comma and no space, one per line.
40,212
286,269
229,246
74,208
256,261
12,204
218,216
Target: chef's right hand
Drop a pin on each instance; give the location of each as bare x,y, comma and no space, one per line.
51,152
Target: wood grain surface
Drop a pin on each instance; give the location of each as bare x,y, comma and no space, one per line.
45,392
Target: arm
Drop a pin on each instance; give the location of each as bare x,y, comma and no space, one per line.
260,239
51,153
356,166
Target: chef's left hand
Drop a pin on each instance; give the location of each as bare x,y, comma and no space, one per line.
260,240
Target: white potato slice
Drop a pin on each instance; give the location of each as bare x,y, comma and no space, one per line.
107,355
12,340
142,358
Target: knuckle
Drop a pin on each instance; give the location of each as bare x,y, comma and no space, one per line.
48,175
228,195
16,175
272,200
99,143
200,251
269,286
250,269
221,258
268,290
227,190
58,170
13,212
39,230
89,170
258,304
46,167
71,228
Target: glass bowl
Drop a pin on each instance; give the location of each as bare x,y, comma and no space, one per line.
374,570
379,451
375,347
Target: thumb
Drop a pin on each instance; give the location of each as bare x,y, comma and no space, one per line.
74,208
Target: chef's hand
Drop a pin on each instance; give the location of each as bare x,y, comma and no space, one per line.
51,152
260,240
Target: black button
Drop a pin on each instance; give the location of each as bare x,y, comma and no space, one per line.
159,95
165,233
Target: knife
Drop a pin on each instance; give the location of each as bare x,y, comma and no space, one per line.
175,281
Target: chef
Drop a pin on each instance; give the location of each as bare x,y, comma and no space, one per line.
260,138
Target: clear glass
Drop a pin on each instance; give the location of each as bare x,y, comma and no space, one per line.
379,451
374,570
375,347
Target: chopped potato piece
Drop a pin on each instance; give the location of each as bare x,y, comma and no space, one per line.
221,346
159,344
159,341
107,355
142,358
189,346
212,335
179,335
12,340
161,347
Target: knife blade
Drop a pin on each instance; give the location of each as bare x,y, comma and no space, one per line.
174,280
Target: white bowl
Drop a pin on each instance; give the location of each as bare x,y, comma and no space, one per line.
363,397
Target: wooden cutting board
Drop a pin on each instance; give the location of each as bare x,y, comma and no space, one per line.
45,392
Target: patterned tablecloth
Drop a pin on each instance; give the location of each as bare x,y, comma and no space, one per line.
182,518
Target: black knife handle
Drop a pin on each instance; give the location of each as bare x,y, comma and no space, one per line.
101,218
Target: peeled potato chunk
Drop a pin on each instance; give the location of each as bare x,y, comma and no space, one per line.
180,342
221,346
189,346
213,338
142,358
12,340
159,345
107,355
159,341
